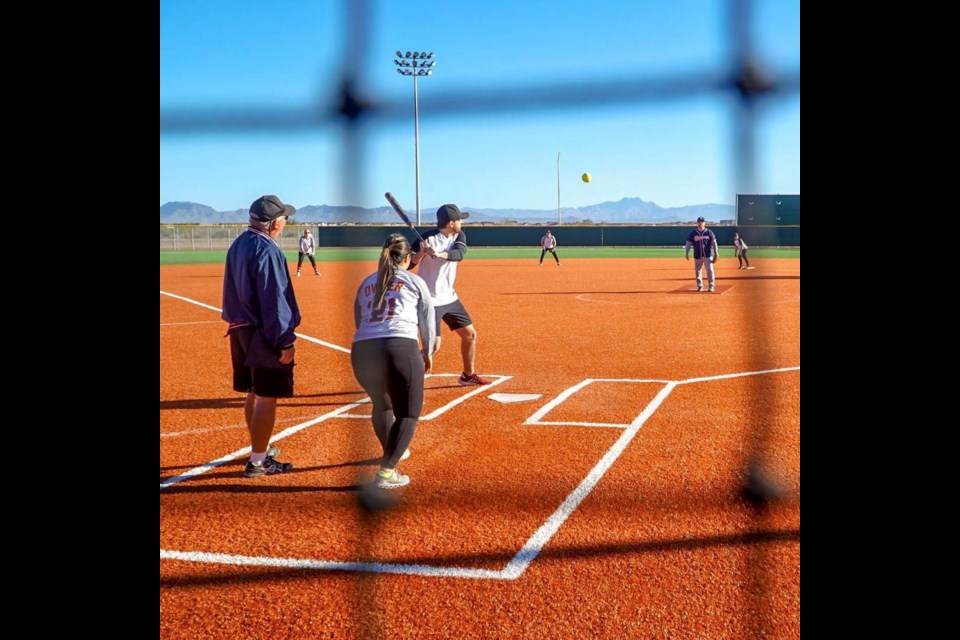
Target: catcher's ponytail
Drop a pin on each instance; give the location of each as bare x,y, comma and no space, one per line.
395,249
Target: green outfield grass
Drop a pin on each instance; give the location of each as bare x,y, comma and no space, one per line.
483,253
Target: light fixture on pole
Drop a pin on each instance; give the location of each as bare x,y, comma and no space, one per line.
416,64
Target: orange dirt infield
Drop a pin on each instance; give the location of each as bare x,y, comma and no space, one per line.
513,525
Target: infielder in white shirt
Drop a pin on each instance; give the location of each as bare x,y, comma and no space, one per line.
741,249
549,243
307,247
391,310
444,248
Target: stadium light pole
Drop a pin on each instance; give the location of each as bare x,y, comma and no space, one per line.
416,64
559,215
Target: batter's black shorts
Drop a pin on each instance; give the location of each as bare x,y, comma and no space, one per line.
454,315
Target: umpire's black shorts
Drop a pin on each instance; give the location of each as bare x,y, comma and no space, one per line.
275,382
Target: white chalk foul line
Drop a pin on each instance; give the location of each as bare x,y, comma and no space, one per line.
329,345
289,431
727,376
191,432
326,565
607,425
225,427
191,301
441,410
303,336
538,540
534,545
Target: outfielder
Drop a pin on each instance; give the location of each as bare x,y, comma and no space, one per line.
705,251
549,243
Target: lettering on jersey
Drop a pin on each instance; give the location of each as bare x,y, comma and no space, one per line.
389,309
370,290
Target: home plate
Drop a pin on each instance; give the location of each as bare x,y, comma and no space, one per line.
514,397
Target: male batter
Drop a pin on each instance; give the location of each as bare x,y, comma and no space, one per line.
444,248
705,252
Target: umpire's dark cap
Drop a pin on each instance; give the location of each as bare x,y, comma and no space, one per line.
449,212
269,208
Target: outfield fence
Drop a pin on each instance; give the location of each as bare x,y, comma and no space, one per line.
210,237
740,82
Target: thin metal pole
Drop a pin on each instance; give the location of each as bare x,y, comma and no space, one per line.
559,215
416,139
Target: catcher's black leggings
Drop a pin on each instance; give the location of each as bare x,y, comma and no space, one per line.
300,260
553,251
391,371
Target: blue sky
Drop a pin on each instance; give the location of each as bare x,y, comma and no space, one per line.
288,54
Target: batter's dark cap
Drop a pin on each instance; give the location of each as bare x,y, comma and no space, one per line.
449,212
700,219
269,208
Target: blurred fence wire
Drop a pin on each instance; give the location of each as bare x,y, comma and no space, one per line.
744,78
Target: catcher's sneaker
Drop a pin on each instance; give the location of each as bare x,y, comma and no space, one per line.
392,479
471,380
699,287
269,467
273,452
711,289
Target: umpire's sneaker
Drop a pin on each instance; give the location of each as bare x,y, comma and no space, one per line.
472,379
273,452
268,467
711,289
699,287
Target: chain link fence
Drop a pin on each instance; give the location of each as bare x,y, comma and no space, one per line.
743,78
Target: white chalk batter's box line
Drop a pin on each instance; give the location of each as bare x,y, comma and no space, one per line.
513,569
450,405
527,553
533,546
535,419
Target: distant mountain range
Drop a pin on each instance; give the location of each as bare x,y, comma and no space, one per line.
627,210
